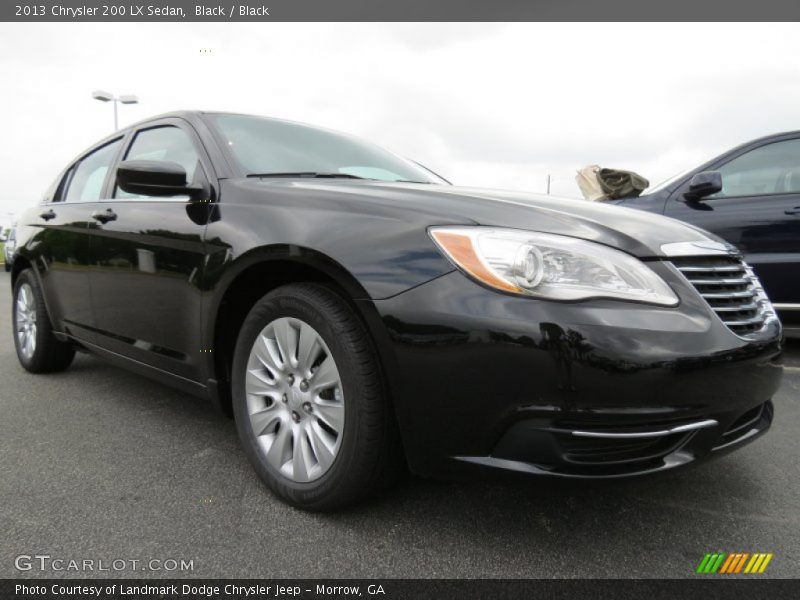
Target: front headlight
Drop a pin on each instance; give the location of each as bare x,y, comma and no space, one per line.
550,266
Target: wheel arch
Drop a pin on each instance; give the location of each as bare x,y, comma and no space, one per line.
251,276
19,264
22,262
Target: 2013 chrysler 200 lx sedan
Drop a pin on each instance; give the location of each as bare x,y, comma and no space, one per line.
355,312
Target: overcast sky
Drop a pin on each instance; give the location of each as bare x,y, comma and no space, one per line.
489,105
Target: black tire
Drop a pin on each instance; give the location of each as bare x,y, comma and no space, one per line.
369,452
49,354
7,267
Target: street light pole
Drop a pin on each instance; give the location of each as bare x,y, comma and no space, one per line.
107,97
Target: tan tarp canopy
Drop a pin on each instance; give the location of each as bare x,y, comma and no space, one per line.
598,184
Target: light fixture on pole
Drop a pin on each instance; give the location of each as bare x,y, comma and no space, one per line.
106,97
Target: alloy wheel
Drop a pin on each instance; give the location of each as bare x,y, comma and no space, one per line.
26,321
294,399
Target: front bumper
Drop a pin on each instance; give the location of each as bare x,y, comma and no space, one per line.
482,379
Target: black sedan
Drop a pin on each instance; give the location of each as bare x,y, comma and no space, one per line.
356,313
750,196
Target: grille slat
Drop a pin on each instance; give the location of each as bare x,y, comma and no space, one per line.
730,288
748,419
730,295
729,281
754,321
722,269
585,451
735,308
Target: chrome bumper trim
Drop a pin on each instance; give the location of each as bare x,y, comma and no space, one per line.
647,434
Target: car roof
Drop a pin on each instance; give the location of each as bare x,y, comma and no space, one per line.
767,138
188,115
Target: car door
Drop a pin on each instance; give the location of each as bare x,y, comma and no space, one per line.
758,210
60,246
148,256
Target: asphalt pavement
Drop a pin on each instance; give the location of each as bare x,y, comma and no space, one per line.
100,464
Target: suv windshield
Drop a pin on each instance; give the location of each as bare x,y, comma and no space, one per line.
668,182
266,147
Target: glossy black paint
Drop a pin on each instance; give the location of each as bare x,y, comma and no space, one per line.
161,286
765,228
59,238
157,178
473,357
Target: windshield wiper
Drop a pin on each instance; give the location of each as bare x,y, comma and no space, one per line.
308,174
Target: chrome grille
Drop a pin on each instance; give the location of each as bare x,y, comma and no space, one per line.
731,289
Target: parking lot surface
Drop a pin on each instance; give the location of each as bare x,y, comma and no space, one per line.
98,463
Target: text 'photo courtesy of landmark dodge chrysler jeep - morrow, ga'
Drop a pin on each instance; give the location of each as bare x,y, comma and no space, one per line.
356,313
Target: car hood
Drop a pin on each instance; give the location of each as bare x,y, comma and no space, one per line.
636,232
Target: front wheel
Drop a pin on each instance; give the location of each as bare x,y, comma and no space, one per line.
38,350
309,401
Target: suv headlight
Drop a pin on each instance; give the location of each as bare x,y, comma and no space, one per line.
554,267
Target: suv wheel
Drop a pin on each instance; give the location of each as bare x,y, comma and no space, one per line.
309,400
38,349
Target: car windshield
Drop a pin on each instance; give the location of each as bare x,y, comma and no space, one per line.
265,147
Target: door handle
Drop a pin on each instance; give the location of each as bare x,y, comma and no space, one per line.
792,211
48,214
104,216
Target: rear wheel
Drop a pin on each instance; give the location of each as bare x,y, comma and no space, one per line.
38,350
309,401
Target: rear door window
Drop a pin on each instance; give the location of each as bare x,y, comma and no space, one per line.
84,182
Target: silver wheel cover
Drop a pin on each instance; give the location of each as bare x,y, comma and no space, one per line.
294,399
25,321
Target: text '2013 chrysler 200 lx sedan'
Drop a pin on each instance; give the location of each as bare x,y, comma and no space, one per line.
355,312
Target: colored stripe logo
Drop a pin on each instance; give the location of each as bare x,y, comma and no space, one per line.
732,563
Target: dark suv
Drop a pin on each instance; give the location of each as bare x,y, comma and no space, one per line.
356,313
750,196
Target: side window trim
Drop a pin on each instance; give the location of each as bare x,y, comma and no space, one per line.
745,196
110,181
63,184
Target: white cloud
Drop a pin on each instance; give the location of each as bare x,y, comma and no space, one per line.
492,105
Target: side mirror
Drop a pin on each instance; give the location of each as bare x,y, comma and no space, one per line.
156,178
704,184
